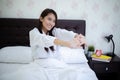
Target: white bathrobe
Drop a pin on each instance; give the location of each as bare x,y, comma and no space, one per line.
38,41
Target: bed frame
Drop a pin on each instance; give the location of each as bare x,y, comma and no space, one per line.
15,31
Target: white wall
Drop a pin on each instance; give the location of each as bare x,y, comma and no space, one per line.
102,16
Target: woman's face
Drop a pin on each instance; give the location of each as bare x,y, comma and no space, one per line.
48,22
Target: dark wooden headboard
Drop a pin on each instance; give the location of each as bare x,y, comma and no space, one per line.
15,31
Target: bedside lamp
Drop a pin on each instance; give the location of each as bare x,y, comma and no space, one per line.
110,38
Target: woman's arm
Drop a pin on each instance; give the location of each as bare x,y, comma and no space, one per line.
74,43
44,40
66,35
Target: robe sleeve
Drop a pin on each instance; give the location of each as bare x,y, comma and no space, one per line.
38,39
63,34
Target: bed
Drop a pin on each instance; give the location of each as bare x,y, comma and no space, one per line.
15,54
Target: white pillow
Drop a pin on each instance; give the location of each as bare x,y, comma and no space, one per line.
73,55
16,54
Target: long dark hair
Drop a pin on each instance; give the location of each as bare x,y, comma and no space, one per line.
44,14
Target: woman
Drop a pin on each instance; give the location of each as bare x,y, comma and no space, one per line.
46,39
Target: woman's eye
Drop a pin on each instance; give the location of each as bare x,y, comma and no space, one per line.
49,19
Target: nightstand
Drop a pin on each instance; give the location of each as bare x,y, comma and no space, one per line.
106,70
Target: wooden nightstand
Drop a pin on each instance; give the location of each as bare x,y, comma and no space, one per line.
105,70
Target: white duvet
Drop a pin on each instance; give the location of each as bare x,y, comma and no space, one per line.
50,69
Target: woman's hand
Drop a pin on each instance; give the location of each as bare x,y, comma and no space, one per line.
74,43
81,39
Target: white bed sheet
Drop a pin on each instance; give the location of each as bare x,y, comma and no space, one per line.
79,65
33,71
6,68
